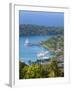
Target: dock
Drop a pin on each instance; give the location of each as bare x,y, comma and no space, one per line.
34,44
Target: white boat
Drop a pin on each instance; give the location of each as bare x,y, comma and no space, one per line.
46,57
26,42
42,54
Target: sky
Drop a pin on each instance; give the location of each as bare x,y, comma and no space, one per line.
41,18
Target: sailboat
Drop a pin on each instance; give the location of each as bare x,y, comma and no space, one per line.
26,42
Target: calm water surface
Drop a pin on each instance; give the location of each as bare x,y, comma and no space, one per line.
26,52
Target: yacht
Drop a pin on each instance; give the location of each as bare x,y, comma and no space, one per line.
42,54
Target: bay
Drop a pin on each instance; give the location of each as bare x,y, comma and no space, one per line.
31,52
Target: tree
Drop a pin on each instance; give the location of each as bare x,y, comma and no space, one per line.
21,66
30,62
53,68
32,71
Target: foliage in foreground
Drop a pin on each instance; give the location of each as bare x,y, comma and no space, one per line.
40,70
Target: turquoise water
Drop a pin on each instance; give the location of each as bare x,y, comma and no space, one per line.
30,52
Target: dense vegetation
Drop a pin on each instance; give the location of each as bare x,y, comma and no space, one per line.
28,29
41,70
52,67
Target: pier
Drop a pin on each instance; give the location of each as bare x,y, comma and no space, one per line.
34,44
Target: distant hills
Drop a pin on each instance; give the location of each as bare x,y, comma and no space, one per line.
28,29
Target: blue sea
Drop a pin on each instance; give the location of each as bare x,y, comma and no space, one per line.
31,52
